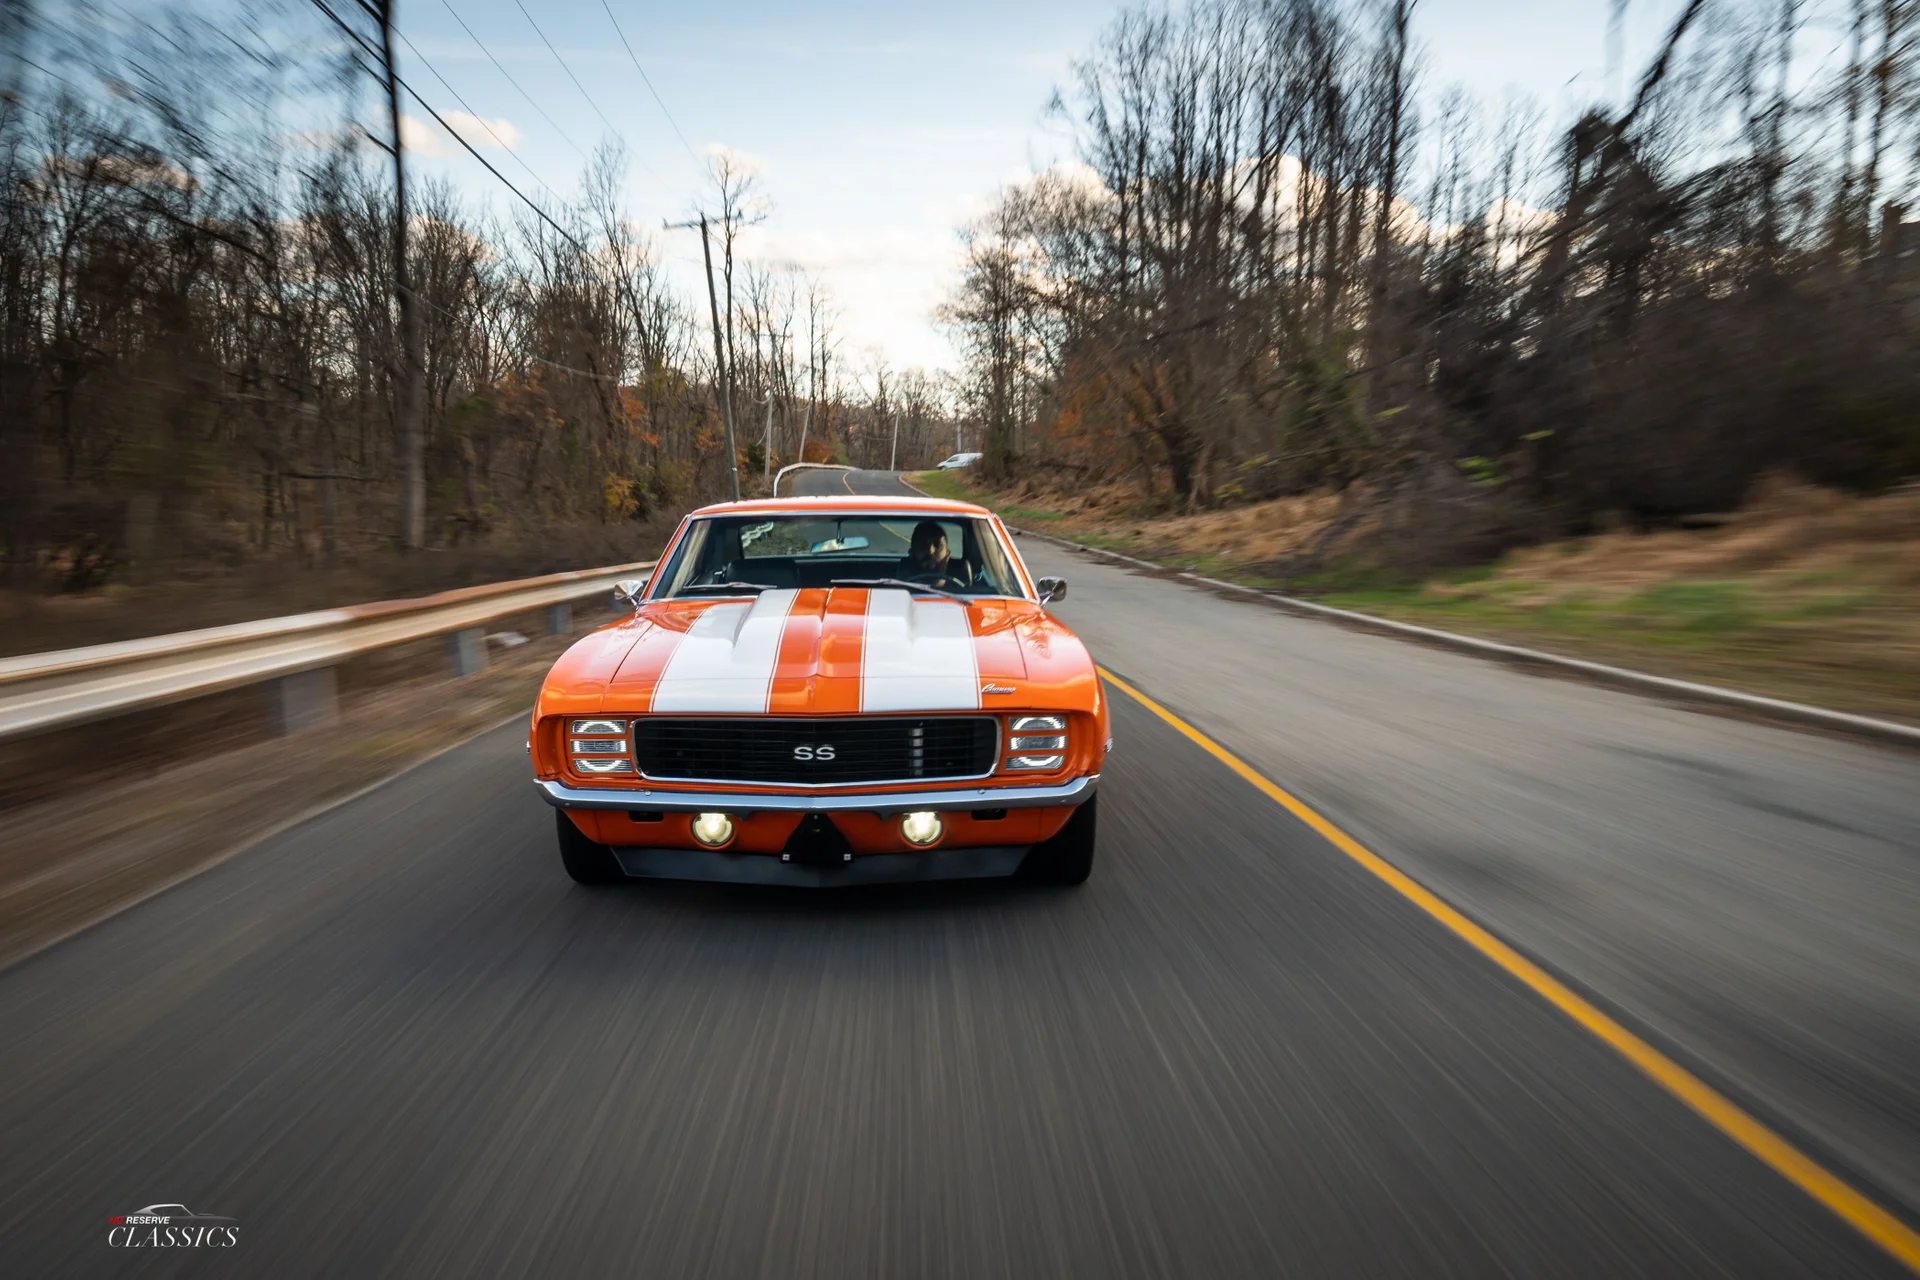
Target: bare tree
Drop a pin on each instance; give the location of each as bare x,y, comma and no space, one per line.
1280,268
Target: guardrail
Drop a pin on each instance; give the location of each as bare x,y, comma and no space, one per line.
43,691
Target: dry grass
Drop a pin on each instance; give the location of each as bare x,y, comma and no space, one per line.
1786,532
1804,593
1116,515
1255,534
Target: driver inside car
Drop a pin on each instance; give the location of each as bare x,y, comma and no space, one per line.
931,562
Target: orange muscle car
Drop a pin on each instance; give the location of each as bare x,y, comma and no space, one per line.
816,691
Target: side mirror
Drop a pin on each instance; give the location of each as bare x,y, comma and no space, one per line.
1052,589
626,593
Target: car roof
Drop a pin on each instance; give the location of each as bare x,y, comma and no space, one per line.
851,504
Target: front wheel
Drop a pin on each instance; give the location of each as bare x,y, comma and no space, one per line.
1066,858
586,861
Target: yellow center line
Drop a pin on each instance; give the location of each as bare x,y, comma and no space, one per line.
1855,1209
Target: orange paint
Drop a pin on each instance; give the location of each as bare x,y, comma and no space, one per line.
1019,647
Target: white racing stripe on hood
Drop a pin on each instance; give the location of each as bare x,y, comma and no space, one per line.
917,655
725,661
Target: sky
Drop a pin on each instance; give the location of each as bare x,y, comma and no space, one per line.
877,129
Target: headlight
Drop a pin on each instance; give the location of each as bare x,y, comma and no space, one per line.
599,746
1035,744
921,829
712,829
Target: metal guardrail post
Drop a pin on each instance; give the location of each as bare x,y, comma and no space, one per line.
467,649
559,619
305,701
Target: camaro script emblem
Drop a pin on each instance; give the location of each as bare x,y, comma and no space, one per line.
996,688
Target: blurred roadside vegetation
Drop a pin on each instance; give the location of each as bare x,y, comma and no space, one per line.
1286,269
210,405
1803,593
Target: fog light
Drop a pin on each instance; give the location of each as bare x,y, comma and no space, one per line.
713,829
921,828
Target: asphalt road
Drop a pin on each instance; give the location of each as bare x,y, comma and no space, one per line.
397,1041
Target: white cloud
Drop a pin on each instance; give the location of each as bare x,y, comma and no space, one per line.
429,139
885,283
421,138
741,161
481,131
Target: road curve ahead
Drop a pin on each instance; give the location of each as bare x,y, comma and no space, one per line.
397,1041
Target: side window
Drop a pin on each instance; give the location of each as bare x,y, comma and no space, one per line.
686,560
996,568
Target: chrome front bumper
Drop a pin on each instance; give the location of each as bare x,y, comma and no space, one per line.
1072,792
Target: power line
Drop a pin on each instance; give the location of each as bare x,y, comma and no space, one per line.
428,107
569,70
521,160
484,162
510,80
646,80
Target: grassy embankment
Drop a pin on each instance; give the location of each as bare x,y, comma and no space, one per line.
1804,594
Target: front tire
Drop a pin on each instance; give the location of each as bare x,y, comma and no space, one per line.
586,861
1066,858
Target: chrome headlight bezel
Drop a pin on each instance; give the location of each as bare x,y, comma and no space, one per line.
599,746
1035,742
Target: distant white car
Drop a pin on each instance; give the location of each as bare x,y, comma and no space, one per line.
959,460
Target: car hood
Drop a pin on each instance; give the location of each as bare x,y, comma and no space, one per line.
843,650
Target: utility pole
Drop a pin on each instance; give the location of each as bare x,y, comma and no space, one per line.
813,385
766,450
719,356
893,458
410,388
19,490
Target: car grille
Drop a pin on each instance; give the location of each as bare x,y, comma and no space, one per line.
790,751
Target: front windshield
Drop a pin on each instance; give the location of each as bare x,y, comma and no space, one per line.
951,555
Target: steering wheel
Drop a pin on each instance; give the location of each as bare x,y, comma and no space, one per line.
940,578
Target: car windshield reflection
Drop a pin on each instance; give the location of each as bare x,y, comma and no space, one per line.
942,553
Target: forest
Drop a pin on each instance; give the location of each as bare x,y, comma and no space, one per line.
1283,263
224,343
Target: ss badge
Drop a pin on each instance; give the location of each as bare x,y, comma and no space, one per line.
814,751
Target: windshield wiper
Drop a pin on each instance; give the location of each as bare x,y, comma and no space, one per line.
726,586
897,582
